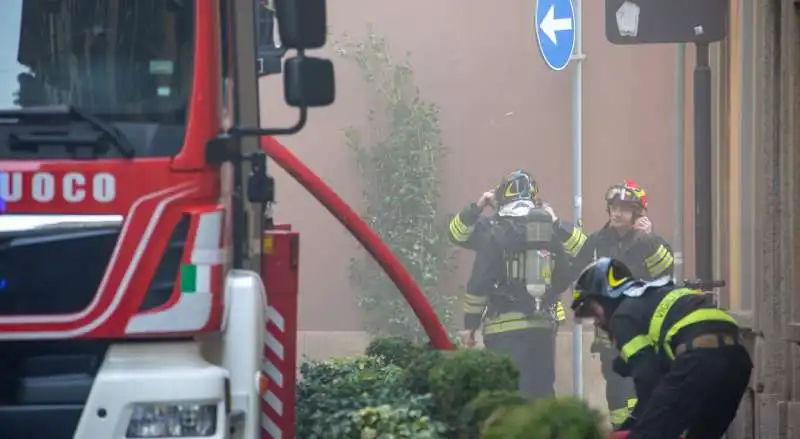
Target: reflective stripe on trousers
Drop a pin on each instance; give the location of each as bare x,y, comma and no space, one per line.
513,321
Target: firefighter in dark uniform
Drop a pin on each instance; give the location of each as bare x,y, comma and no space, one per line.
517,256
684,354
646,253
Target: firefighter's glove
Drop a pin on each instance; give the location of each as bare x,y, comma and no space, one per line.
621,367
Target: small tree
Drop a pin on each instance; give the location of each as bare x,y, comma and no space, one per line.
399,159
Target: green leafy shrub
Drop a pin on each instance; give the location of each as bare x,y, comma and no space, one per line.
391,422
331,392
465,394
475,414
395,350
416,377
460,376
552,418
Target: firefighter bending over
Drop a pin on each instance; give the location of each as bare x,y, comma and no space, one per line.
516,256
627,236
684,354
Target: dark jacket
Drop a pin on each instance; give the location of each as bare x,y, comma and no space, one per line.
646,254
488,289
648,329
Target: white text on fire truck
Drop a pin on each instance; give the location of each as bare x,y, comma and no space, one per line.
44,187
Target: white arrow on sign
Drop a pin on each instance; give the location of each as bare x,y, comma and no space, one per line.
550,24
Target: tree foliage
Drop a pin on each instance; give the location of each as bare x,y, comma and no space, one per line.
399,157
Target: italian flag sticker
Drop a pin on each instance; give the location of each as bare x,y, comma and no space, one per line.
195,278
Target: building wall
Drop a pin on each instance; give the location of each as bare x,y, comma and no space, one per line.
757,139
501,108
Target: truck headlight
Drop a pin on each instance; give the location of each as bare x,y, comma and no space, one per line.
172,420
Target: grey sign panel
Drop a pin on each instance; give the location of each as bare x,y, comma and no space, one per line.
666,21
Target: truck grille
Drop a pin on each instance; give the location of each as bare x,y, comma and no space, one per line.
44,386
53,264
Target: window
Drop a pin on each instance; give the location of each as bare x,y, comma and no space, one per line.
129,62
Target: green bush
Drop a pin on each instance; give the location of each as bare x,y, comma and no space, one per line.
564,418
391,422
460,376
416,378
396,350
465,394
331,392
475,414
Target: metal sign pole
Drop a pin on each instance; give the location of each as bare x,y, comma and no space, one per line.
577,150
680,138
557,28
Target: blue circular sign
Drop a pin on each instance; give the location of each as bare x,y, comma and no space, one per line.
555,32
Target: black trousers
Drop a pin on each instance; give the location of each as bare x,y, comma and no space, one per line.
619,391
701,393
533,352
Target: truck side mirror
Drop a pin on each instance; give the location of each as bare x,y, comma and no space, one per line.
309,82
302,24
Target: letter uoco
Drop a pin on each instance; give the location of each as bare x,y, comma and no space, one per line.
44,187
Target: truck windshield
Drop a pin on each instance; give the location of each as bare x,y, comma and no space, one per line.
128,62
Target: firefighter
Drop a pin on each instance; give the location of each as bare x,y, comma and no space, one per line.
684,354
517,256
626,236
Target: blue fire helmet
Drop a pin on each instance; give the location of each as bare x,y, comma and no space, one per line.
606,278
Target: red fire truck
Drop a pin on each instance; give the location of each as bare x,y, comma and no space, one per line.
145,291
131,296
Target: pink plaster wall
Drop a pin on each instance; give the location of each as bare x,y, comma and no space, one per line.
501,108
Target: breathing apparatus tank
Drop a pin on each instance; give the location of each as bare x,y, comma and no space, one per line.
528,234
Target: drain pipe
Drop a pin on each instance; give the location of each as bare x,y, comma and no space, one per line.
680,139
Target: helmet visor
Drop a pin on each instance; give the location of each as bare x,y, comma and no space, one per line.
517,189
621,193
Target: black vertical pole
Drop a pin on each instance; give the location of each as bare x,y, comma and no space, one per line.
703,233
241,242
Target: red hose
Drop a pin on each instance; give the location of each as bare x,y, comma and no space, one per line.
364,234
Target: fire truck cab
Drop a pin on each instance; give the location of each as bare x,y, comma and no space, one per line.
135,200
